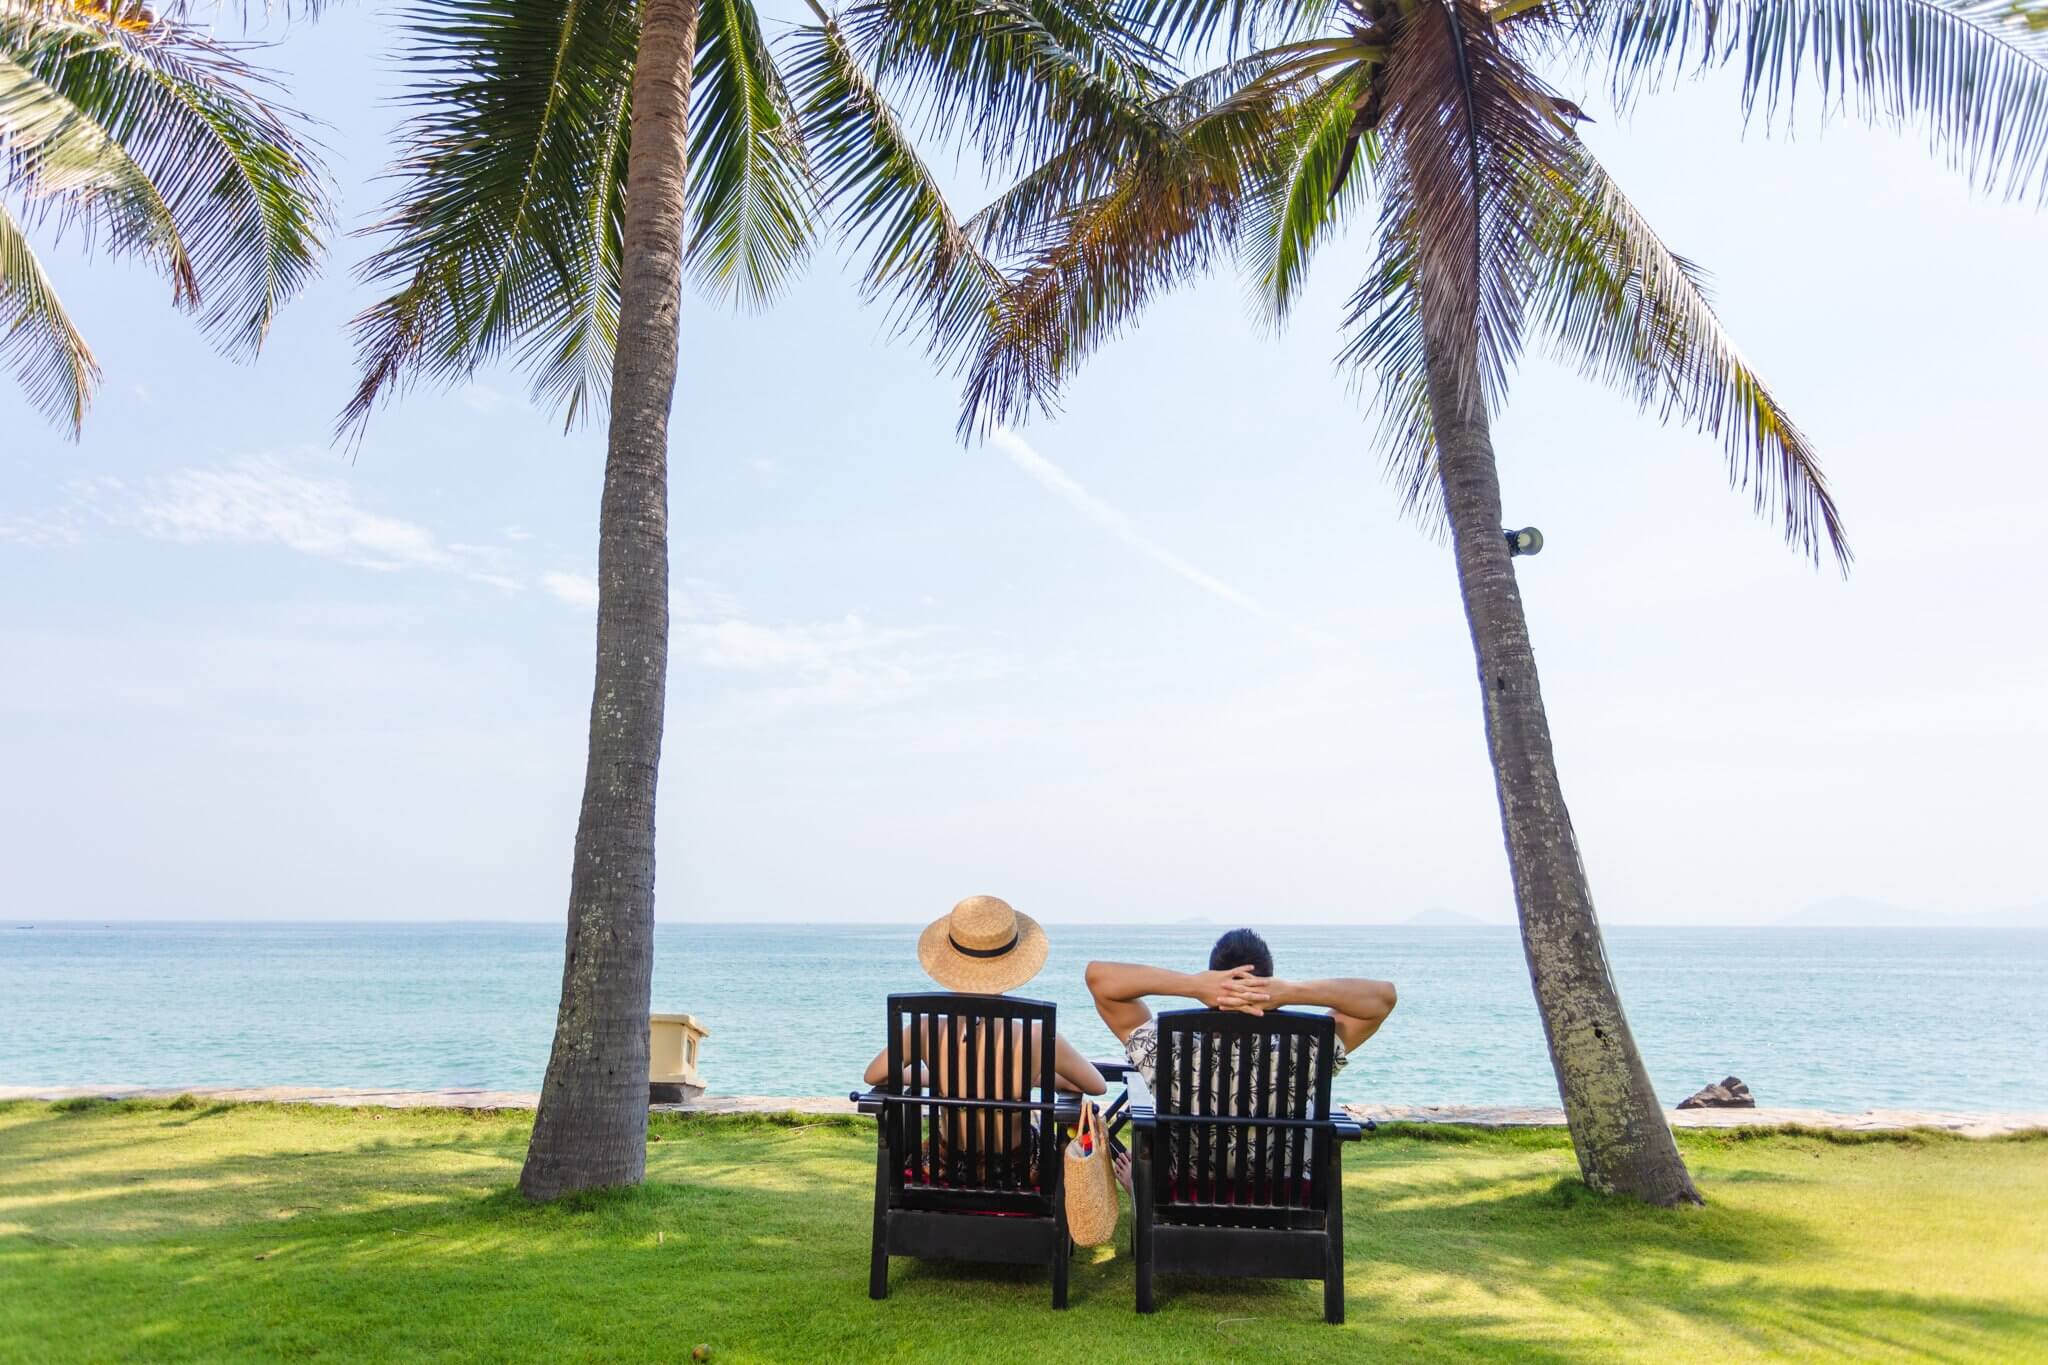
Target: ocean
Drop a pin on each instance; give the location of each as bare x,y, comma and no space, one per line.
1844,1019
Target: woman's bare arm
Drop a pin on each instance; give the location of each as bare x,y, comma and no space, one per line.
1072,1071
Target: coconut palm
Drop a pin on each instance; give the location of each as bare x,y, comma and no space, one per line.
566,164
1493,220
142,134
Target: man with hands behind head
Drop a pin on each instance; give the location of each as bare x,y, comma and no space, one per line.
1240,977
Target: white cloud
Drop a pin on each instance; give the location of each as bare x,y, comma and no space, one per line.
40,532
848,662
261,501
481,398
1022,455
574,588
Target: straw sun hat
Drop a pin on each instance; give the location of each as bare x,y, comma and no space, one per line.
983,947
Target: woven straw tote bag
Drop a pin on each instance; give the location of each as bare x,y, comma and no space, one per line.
1090,1181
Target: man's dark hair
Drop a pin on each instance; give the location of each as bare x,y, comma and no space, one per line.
1241,948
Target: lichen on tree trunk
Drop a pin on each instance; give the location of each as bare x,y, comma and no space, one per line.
1618,1129
590,1129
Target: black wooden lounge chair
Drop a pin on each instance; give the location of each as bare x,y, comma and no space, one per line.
1235,1177
966,1175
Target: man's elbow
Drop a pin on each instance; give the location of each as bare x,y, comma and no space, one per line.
1096,976
1384,999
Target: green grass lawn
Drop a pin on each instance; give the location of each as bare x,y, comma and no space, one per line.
199,1231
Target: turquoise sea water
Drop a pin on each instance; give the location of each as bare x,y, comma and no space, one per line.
1828,1018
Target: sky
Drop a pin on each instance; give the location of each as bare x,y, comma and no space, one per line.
1174,654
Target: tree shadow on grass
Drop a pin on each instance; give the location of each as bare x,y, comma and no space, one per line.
409,1242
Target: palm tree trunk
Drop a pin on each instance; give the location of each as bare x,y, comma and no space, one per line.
591,1128
1623,1142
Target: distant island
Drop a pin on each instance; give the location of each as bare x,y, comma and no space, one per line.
1850,912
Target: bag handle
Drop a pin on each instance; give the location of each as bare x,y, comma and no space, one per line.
1090,1126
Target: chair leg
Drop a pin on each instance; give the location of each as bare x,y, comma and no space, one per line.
1333,1263
878,1254
1062,1245
1141,1220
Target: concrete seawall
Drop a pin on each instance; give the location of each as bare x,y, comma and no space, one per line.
1484,1116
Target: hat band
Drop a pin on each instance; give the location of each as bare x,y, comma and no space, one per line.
981,952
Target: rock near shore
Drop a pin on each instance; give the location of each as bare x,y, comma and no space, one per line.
1731,1093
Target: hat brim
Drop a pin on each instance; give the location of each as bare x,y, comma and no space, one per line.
956,971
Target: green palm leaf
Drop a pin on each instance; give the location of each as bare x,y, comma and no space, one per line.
1161,218
750,188
1300,197
1634,314
37,341
1974,73
1089,164
504,230
65,162
885,197
1023,78
572,345
242,191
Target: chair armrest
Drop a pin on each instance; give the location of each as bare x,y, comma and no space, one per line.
1113,1070
1348,1130
1143,1117
867,1101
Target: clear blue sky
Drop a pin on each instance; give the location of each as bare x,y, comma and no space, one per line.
1175,654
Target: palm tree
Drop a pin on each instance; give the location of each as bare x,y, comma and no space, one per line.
566,163
146,135
1493,219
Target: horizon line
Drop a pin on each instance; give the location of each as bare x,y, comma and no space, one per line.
1934,920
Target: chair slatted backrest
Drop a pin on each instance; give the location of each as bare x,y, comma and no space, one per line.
1243,1107
970,1100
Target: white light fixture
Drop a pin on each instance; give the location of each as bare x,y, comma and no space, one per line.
1527,541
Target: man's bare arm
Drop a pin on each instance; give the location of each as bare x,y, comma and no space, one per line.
1120,989
1359,1005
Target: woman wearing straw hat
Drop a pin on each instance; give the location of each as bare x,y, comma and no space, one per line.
983,947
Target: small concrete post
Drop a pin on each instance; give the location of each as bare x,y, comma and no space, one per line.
672,1048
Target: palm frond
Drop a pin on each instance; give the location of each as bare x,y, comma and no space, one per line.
240,185
1634,315
1020,78
750,190
503,228
1304,190
38,344
572,345
1389,353
884,196
1163,218
1973,73
1238,23
1466,123
67,165
1089,164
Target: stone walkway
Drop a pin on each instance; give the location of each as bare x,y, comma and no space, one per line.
413,1099
1869,1121
1484,1116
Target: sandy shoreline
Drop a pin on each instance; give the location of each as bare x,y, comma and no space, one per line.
1485,1116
